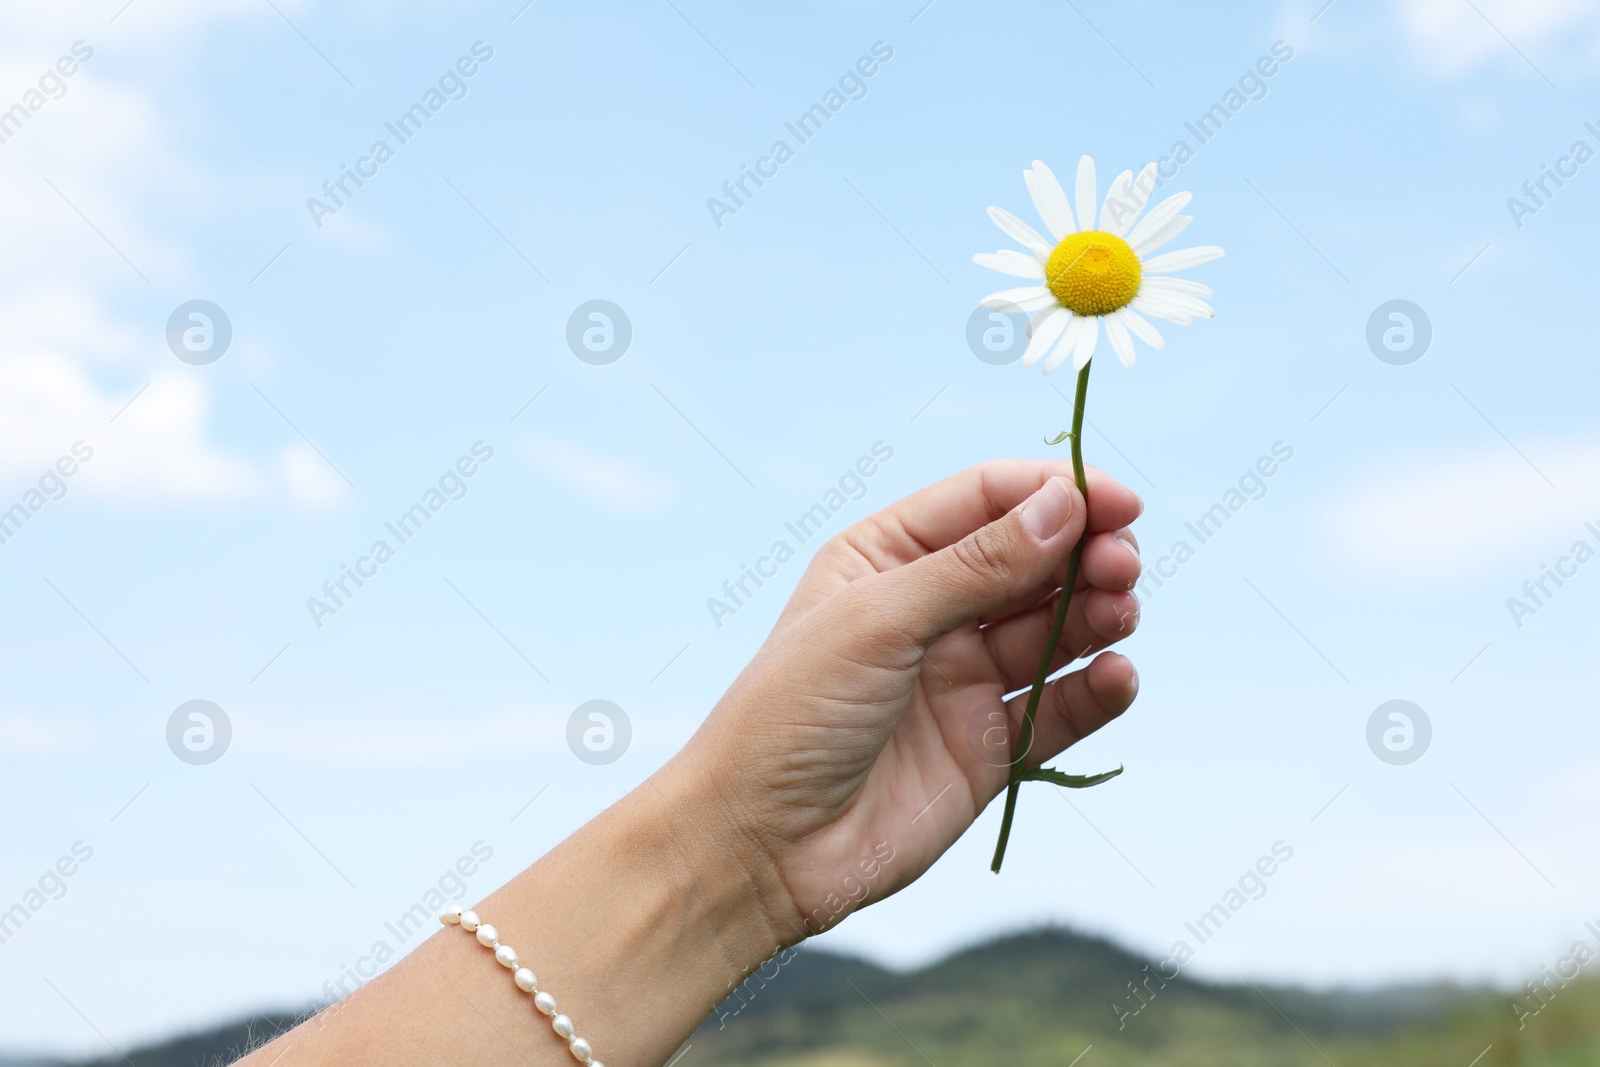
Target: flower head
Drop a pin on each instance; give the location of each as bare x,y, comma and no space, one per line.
1101,266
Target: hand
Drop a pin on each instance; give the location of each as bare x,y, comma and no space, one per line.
861,722
857,727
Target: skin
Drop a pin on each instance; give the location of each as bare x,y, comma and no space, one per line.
837,768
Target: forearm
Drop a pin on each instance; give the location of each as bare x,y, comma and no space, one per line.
639,925
832,754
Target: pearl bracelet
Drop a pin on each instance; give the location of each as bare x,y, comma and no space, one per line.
489,937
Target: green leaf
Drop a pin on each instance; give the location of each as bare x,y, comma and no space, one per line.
1064,435
1070,781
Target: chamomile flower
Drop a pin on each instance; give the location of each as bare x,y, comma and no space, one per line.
1098,265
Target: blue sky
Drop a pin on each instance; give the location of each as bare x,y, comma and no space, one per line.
370,354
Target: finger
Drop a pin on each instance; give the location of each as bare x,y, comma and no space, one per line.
990,566
945,512
1076,705
940,515
1096,618
1109,562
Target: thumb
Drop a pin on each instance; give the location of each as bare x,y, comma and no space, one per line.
984,571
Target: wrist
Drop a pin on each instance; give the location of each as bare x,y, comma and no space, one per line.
641,923
713,835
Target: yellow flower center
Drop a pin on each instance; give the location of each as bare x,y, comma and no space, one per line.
1093,273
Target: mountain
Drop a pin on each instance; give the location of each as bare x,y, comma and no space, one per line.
216,1047
1044,997
1040,997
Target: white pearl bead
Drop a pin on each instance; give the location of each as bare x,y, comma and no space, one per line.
450,914
507,956
525,980
488,936
544,1002
561,1025
469,921
581,1050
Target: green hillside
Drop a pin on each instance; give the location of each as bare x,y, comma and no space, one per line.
1040,998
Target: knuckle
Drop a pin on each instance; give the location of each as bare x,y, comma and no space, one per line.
1128,616
983,552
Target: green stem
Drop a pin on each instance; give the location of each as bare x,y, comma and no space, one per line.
1057,624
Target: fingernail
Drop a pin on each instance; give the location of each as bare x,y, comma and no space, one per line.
1046,512
1129,545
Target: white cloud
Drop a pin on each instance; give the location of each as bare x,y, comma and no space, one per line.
103,148
391,738
1329,34
394,738
87,180
354,230
1434,517
609,481
28,733
311,483
158,449
45,318
155,450
36,33
402,736
1453,37
83,179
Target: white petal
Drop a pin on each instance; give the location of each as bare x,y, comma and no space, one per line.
1047,331
1140,327
1068,342
1118,192
1049,200
1159,216
1083,351
1019,231
1185,286
1121,343
1148,244
1027,298
1010,261
1183,259
1139,194
1178,303
1159,304
1086,204
1156,306
1036,319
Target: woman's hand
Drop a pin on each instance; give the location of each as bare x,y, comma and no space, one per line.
863,732
873,723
